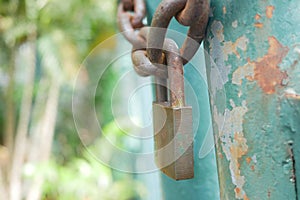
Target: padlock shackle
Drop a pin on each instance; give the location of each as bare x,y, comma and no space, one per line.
174,62
161,91
175,73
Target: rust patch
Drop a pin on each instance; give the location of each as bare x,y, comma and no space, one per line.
238,191
238,149
252,167
259,25
269,11
221,155
248,160
257,17
266,69
224,10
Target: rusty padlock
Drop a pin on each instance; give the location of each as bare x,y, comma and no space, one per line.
172,121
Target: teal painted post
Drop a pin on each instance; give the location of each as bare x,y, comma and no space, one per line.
255,48
205,184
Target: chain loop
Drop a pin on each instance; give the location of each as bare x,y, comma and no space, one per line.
193,13
141,62
129,20
148,43
127,4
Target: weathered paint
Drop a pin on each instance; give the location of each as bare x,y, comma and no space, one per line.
233,143
254,46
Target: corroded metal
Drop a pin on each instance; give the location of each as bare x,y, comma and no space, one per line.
175,72
172,122
204,185
254,48
127,4
144,67
174,140
128,27
198,10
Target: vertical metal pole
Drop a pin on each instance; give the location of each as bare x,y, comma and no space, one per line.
255,47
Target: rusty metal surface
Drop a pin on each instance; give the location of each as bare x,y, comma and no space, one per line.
174,140
255,49
144,67
128,4
165,12
204,185
172,121
175,73
128,29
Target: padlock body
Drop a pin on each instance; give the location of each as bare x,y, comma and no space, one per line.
173,138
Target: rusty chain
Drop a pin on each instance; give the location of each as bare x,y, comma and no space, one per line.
148,55
192,13
130,17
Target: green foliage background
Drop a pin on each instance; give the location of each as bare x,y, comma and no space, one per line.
64,32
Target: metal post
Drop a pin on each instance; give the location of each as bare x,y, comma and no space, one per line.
255,47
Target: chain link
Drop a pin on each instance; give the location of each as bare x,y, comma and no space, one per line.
148,43
130,17
192,13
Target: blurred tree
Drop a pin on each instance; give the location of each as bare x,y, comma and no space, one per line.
42,43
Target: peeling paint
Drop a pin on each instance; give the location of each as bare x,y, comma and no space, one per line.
269,11
265,70
246,71
216,51
249,146
291,93
220,51
231,48
235,24
224,10
259,25
233,142
248,160
257,17
254,159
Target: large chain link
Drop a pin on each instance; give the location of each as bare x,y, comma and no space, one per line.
192,13
130,17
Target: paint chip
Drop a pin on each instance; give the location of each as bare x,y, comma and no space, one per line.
224,10
257,17
259,25
235,24
231,48
248,160
291,93
269,11
254,158
246,71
